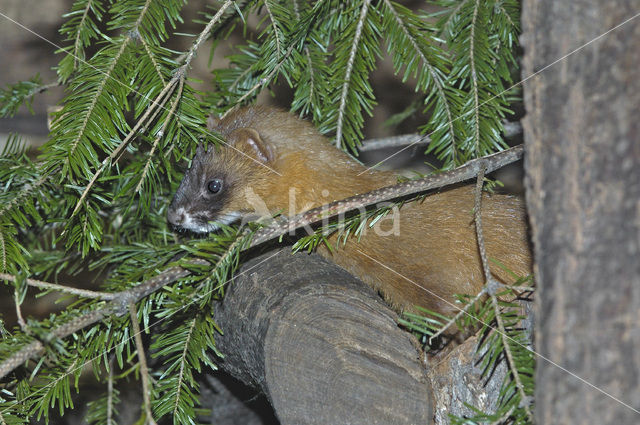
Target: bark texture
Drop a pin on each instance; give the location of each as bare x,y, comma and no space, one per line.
582,161
321,345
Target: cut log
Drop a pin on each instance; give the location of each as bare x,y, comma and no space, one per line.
321,345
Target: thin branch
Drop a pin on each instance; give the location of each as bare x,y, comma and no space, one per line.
503,418
434,76
347,76
452,15
179,76
511,129
506,14
394,142
488,288
474,78
461,312
61,288
156,105
44,88
118,305
156,66
94,101
464,172
143,12
21,322
205,33
509,355
183,360
4,252
262,82
110,392
479,233
25,191
76,44
275,27
174,105
142,360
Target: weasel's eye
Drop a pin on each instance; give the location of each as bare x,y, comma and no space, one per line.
214,185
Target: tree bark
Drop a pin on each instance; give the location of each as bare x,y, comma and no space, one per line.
320,344
582,161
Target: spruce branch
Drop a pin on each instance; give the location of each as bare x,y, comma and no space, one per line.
3,248
94,101
307,54
347,76
80,29
512,365
21,93
21,321
160,134
474,79
142,361
276,30
183,361
490,288
120,300
153,60
158,103
511,129
78,41
261,83
106,296
110,393
205,33
417,48
465,172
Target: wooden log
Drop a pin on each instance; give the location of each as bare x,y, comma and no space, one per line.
321,345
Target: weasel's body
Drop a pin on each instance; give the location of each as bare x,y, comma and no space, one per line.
275,162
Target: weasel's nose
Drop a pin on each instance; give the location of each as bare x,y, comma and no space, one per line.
175,216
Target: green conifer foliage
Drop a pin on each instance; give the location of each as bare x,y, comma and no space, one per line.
95,198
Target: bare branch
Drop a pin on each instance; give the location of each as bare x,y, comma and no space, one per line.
120,301
61,288
142,359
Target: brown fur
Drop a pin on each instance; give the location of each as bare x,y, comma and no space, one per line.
435,255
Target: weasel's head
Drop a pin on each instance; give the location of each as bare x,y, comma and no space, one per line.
217,188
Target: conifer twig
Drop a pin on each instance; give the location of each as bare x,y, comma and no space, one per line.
61,288
256,86
183,360
411,187
157,103
78,40
511,129
21,322
119,303
490,288
275,27
142,360
110,392
474,79
347,77
434,75
160,134
461,312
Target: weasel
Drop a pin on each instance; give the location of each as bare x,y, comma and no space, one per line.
274,162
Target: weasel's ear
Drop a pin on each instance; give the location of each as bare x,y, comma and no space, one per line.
249,141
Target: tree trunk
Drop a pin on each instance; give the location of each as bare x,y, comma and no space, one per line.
582,161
